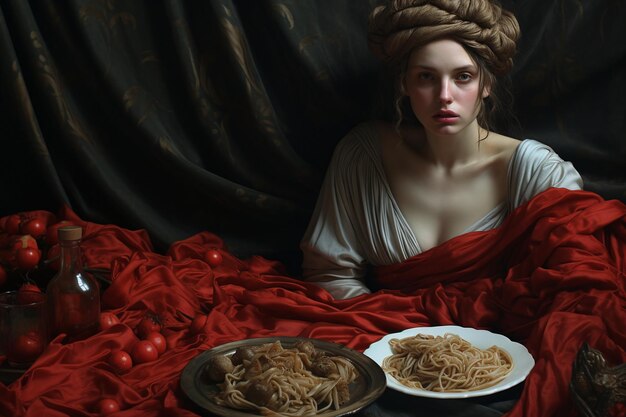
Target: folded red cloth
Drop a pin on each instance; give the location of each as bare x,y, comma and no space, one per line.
552,277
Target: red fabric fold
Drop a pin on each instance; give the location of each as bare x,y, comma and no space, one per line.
551,277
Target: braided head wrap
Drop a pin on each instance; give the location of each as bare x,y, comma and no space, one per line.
482,26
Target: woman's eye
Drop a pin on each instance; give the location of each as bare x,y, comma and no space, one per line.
424,76
464,77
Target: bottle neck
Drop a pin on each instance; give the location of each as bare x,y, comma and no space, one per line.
71,259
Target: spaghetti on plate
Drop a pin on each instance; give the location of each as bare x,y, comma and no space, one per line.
445,363
270,379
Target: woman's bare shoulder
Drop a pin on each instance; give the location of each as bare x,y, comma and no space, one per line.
501,144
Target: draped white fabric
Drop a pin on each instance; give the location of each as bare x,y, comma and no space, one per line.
357,222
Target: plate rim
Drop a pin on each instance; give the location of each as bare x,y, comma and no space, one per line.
522,358
375,373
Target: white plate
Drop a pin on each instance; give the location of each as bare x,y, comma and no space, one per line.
523,361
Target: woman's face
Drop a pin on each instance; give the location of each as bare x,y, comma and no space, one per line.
443,86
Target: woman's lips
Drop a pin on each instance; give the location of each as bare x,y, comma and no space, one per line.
446,116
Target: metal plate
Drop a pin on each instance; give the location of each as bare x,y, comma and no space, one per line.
370,384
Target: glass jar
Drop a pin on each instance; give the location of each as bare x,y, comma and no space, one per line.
73,295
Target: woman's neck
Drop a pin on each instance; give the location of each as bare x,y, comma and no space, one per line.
447,152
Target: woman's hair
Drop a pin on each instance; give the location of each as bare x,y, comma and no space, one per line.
486,31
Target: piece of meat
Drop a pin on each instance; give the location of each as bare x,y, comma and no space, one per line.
217,367
324,367
242,354
260,393
306,347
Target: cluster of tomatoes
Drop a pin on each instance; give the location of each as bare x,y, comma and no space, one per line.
150,344
29,244
28,241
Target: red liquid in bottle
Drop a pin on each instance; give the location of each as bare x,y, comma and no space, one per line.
73,294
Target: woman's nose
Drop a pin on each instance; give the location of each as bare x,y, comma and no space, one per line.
445,94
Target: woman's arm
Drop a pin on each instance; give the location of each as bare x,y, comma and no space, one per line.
332,252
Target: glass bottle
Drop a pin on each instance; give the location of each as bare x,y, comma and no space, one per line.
73,295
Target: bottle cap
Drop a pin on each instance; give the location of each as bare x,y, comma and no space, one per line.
70,233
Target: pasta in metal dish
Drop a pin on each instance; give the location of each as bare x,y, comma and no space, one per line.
270,379
445,363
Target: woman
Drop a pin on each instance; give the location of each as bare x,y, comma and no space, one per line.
394,190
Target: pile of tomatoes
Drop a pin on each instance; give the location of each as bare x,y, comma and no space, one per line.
150,343
28,243
29,257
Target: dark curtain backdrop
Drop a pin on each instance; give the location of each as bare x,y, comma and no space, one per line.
179,116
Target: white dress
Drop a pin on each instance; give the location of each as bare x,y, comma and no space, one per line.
357,222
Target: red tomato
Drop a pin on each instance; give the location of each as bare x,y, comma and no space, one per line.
121,361
213,257
29,293
158,340
35,227
12,225
26,349
108,320
44,215
144,351
27,258
29,297
25,241
29,286
198,323
52,232
107,406
147,325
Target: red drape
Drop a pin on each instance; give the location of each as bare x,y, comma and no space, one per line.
552,277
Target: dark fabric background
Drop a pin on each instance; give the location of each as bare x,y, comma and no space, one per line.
183,116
